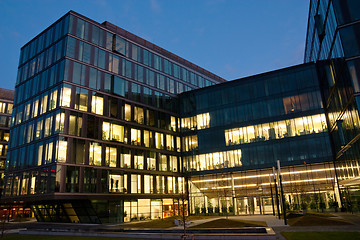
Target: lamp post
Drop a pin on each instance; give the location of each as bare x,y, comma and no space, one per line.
276,193
282,193
272,198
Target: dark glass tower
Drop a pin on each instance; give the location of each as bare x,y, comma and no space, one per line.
334,36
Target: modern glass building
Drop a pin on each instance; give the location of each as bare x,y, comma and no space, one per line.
234,133
95,129
108,127
6,106
333,36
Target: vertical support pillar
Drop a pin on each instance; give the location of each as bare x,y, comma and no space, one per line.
206,204
235,207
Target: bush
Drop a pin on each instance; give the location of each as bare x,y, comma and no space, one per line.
197,210
203,210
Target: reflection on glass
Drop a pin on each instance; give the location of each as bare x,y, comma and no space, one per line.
127,112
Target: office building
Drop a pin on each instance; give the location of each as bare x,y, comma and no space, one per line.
234,133
108,127
6,106
95,125
333,39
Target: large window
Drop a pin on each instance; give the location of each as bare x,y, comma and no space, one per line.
276,130
135,136
65,96
97,104
112,132
110,158
95,154
159,140
117,183
61,150
216,160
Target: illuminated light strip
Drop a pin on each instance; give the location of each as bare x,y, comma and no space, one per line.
264,175
236,186
265,184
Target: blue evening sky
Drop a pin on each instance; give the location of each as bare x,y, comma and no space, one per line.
231,38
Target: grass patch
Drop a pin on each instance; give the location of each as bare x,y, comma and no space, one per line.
159,223
314,220
230,223
321,235
40,237
163,223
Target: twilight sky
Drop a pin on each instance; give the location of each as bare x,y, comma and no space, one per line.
231,38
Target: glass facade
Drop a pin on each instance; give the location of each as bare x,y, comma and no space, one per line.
95,112
234,133
332,36
107,127
6,108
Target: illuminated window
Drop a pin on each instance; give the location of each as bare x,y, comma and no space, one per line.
170,142
148,184
95,154
127,112
117,183
125,160
173,123
65,96
276,130
138,115
2,107
110,159
159,140
151,161
135,136
61,150
139,161
148,138
59,122
173,164
97,105
163,163
44,103
216,160
112,132
35,108
203,120
53,100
